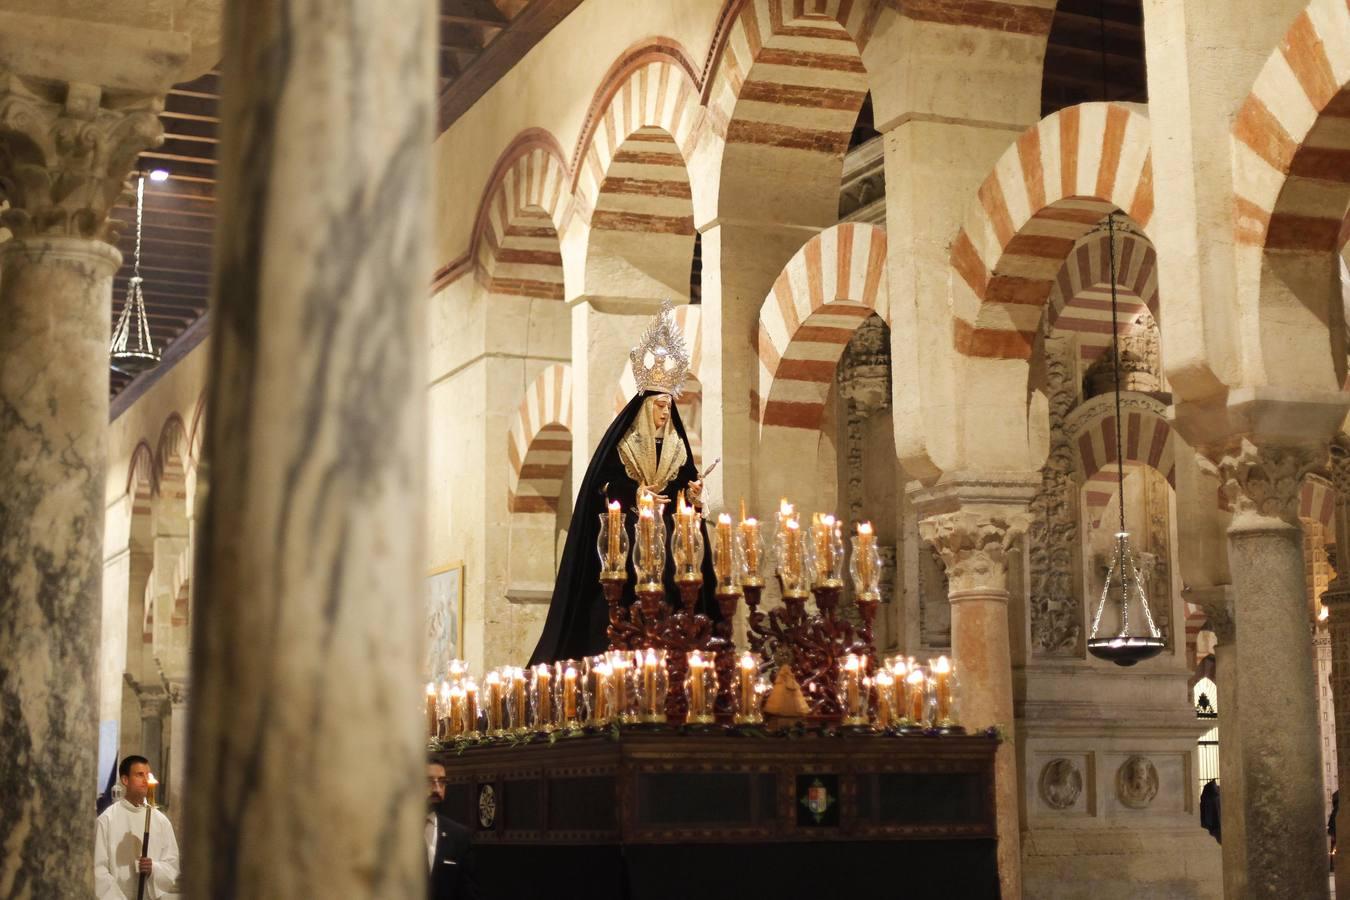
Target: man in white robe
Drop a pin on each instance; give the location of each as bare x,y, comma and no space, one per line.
118,862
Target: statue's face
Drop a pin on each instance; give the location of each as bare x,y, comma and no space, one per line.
661,411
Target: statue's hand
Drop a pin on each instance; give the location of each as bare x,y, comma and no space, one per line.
695,490
656,498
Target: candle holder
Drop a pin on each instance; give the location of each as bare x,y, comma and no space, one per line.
794,560
472,724
883,688
649,548
853,694
686,544
599,691
517,699
827,552
543,700
748,695
455,716
652,685
625,689
865,569
495,694
443,712
916,702
433,719
700,688
570,693
946,694
612,543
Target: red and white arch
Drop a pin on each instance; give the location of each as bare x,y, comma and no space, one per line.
820,298
516,244
1080,300
1146,441
539,443
1059,179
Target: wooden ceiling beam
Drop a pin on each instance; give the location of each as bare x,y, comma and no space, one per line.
472,12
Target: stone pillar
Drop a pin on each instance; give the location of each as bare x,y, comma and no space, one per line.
1285,832
1337,601
64,152
973,526
175,774
301,677
1218,605
152,729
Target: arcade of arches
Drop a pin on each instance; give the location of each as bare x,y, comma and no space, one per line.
883,227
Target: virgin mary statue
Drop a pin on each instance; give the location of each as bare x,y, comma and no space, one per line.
645,448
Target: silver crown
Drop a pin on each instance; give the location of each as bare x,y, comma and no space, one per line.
660,360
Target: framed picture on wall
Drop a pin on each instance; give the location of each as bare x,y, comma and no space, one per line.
445,619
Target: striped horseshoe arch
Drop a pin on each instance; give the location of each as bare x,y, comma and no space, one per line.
1080,301
539,443
820,298
1147,441
1060,178
517,249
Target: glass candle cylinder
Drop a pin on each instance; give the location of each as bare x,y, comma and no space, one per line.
432,725
625,695
945,713
443,712
517,702
916,684
686,544
786,513
649,550
827,552
652,685
471,708
542,699
496,702
728,560
750,549
883,683
747,691
569,695
599,690
865,564
700,688
792,569
852,697
612,544
456,717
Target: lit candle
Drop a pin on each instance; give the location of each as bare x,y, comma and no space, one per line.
150,799
600,684
570,695
456,710
750,538
942,687
494,699
749,675
431,709
900,672
543,695
649,681
443,710
518,696
822,529
917,694
696,693
852,674
619,665
684,514
865,539
615,559
647,534
793,563
722,558
470,707
885,684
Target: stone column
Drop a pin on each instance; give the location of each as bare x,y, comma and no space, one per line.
302,677
152,728
1336,598
178,757
1276,702
63,157
974,539
1217,602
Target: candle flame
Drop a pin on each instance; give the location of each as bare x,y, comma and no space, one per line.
748,662
723,519
884,679
751,521
851,664
570,672
942,666
864,528
899,668
153,780
784,508
614,505
493,678
792,523
916,677
445,689
431,688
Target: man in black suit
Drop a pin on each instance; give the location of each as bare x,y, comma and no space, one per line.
449,854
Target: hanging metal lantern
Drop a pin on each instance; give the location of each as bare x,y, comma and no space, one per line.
1124,588
132,351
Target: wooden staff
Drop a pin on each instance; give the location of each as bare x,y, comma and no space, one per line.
145,838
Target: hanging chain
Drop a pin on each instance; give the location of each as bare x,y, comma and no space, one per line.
140,216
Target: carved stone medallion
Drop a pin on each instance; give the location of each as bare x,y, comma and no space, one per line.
1137,782
1061,783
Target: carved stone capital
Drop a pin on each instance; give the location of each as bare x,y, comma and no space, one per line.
65,153
1262,482
178,693
974,546
1338,468
152,702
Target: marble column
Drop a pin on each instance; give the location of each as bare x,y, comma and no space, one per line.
974,541
152,729
1276,702
1336,599
63,158
178,756
1217,601
306,760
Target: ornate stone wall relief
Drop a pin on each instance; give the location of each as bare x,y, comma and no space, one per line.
1056,608
1136,782
1060,784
